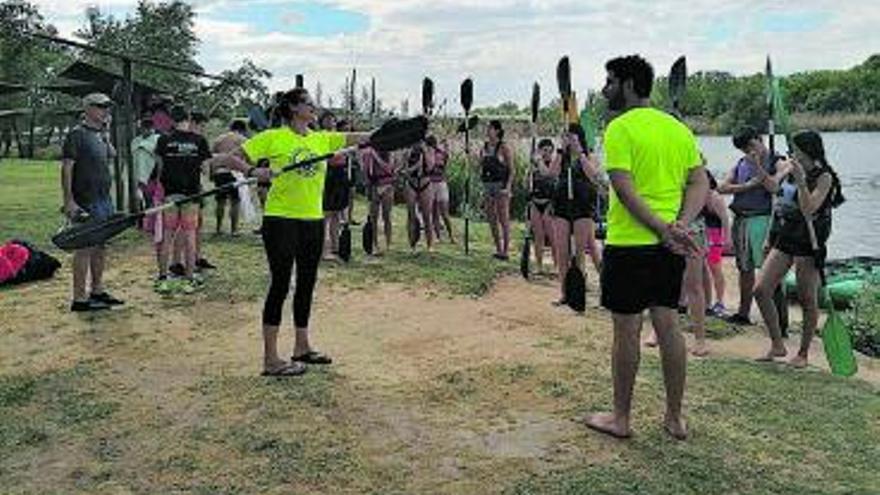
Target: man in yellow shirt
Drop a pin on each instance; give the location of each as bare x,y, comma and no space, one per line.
658,187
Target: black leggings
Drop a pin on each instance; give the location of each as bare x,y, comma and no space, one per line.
288,241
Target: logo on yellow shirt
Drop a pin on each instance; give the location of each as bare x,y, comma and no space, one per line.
303,154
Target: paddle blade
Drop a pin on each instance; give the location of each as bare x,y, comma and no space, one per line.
90,234
524,257
768,77
467,94
415,231
536,101
563,78
373,96
367,236
345,244
397,134
472,122
677,82
575,288
300,83
427,95
838,346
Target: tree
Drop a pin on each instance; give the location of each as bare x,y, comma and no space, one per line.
240,88
161,31
32,63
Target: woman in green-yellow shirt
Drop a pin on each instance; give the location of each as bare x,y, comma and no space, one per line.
293,223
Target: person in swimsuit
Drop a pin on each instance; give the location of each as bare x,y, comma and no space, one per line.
380,173
419,161
496,173
440,189
543,183
574,204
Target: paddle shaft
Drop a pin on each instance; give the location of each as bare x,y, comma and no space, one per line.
467,183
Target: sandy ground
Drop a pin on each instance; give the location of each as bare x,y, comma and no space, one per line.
391,343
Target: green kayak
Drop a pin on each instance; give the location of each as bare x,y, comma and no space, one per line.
845,279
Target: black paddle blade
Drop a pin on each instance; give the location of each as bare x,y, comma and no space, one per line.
467,94
367,239
472,122
524,257
300,83
575,288
90,234
563,78
536,101
373,96
396,134
677,81
768,75
345,244
427,95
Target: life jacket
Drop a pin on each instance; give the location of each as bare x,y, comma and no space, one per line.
788,220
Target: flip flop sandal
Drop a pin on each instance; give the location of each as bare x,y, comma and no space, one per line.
312,357
292,369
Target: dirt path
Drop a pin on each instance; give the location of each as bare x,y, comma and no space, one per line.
442,389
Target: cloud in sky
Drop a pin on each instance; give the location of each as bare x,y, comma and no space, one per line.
505,45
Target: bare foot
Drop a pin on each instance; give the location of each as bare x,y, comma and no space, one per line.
606,423
772,354
677,428
700,350
798,361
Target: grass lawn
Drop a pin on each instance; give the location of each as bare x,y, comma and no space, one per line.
451,376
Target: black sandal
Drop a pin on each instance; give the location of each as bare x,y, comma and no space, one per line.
312,357
292,369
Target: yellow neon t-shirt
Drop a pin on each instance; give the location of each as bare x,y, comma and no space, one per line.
658,151
297,194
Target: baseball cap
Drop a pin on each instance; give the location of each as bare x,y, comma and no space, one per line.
97,100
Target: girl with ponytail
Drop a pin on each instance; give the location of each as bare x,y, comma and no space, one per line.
809,193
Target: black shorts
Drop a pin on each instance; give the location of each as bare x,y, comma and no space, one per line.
220,180
583,205
639,277
336,193
794,246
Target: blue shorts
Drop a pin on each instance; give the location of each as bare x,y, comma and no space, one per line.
99,210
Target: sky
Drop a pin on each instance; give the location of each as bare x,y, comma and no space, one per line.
506,45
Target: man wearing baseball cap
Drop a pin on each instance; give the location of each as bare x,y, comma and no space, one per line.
85,186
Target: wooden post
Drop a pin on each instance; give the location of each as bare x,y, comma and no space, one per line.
117,160
128,134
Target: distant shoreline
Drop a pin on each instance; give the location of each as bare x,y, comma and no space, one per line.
835,122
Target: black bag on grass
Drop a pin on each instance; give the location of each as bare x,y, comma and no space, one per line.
39,266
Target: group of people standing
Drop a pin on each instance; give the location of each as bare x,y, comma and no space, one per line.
662,216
